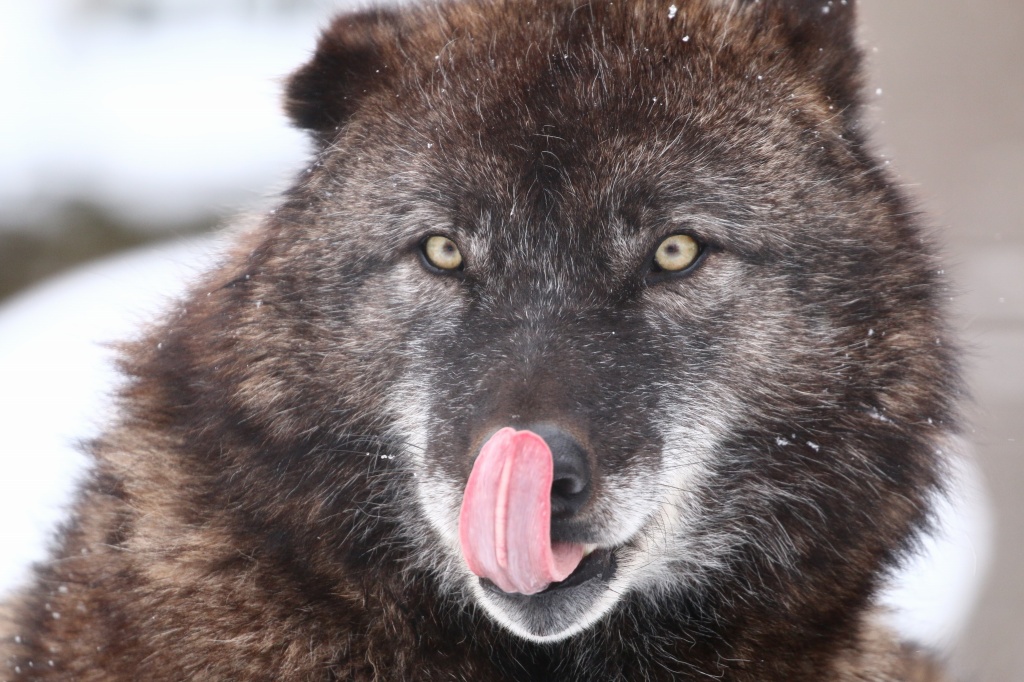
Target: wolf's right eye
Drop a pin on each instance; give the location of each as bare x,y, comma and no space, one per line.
676,254
442,253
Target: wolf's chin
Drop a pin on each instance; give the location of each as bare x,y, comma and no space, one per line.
560,611
549,617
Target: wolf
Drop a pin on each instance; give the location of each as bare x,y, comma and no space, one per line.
594,343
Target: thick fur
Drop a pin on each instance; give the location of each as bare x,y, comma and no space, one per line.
279,497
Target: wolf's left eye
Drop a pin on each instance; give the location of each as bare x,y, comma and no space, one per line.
442,253
676,253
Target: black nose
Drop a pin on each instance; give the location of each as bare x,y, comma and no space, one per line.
570,487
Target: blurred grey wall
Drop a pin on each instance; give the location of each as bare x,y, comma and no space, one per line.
951,114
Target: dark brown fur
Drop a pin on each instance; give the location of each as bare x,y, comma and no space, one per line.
241,523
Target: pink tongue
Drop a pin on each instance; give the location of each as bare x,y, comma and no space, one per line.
505,522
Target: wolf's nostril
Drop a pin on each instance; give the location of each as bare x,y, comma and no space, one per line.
570,487
567,486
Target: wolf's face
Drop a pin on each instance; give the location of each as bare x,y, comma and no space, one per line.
656,242
559,319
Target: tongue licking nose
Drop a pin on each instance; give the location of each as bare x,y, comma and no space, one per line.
505,522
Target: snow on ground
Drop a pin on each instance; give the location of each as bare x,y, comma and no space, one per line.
55,379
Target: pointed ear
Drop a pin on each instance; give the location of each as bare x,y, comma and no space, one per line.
353,57
822,35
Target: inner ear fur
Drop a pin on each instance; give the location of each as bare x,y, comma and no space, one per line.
351,60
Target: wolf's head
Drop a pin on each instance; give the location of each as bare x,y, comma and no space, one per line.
637,311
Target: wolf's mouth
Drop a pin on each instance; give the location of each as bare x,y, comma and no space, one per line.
536,574
598,565
562,608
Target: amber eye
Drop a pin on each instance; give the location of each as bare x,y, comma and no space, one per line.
442,253
676,253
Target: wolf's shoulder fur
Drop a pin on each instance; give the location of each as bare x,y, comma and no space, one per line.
648,246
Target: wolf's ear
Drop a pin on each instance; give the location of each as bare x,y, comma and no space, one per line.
352,58
828,26
822,34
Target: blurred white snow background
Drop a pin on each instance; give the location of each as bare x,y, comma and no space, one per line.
123,121
157,109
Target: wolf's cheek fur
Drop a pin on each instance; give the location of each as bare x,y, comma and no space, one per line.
698,406
728,346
